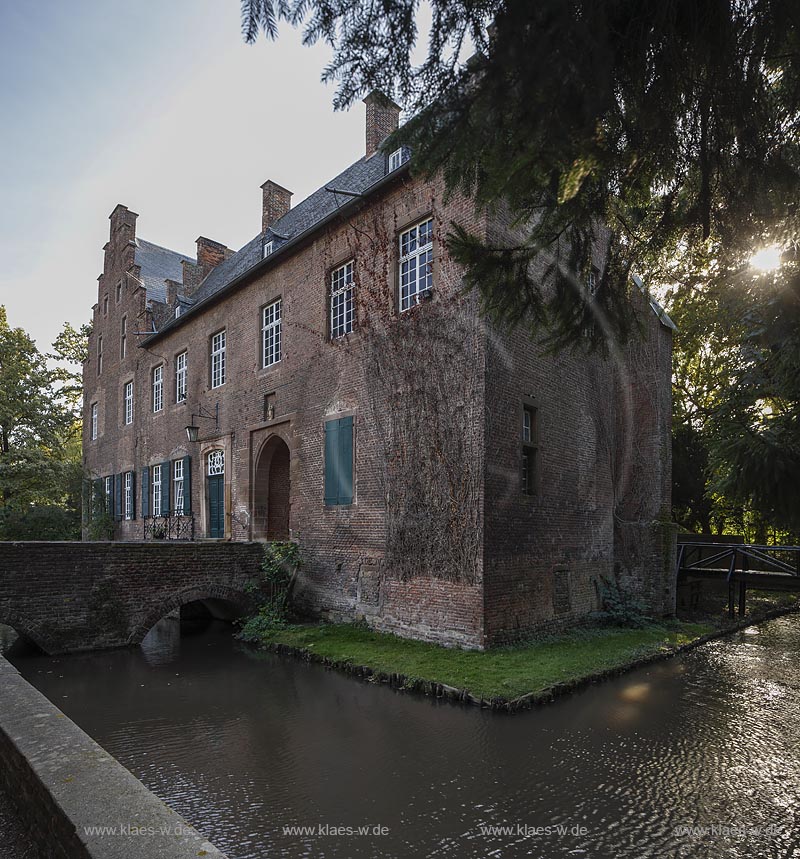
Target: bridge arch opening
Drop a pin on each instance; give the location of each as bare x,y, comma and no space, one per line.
190,611
16,638
272,490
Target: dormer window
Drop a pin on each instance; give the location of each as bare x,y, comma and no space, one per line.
268,248
177,310
395,159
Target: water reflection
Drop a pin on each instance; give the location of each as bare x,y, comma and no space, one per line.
245,744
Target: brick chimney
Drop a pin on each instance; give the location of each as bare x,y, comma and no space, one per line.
210,253
383,117
275,203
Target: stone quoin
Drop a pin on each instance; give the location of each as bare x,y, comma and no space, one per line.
445,480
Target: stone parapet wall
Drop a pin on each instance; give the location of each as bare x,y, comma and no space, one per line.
64,785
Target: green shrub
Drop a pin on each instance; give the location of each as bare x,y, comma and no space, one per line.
619,606
272,591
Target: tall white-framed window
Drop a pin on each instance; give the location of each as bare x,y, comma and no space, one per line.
271,333
177,486
128,397
216,462
128,495
218,359
109,495
180,377
99,354
93,422
268,248
156,490
158,388
341,317
123,337
416,263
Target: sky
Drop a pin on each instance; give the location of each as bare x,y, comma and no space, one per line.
157,105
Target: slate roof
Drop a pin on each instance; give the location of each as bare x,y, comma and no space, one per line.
158,264
356,179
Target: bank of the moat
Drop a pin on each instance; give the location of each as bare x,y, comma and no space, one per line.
248,746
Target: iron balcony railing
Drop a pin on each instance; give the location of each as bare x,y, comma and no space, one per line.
170,527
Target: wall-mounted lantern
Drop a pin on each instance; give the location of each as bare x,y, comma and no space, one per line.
192,431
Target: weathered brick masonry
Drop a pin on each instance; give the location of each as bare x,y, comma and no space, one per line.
437,539
86,596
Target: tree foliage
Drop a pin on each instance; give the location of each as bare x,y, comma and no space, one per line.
40,456
645,126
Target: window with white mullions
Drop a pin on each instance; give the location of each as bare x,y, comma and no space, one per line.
271,334
342,300
93,423
218,359
180,377
157,490
129,495
158,388
128,397
177,486
416,263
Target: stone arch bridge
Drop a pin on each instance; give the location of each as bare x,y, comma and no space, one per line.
67,597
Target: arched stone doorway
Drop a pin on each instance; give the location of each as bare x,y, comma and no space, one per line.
271,497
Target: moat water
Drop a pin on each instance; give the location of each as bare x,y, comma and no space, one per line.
248,746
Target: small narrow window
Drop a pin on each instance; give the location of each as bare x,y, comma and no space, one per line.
177,310
180,377
530,450
93,423
342,300
156,484
416,264
129,495
268,247
592,281
110,496
128,397
218,359
177,486
123,337
395,159
99,354
271,334
119,292
105,305
158,388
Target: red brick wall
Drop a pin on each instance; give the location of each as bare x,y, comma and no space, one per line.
316,380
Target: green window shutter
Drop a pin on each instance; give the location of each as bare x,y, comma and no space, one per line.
346,460
331,462
118,496
339,461
145,505
187,484
166,485
133,494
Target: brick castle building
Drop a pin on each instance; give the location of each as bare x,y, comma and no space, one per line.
330,382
